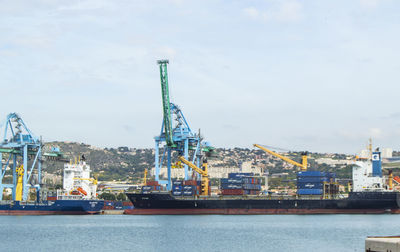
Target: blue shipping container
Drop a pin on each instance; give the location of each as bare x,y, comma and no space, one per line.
312,179
251,187
176,193
189,188
309,191
147,188
188,193
231,186
308,185
311,174
231,181
177,182
240,175
176,188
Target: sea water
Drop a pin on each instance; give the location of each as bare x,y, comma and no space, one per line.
193,233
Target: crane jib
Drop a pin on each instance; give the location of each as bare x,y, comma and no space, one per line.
166,103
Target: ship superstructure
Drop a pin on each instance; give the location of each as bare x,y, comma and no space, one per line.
77,183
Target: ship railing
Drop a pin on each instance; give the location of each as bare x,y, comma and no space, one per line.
6,202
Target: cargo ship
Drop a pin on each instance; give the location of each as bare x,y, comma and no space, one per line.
355,203
317,193
78,196
56,207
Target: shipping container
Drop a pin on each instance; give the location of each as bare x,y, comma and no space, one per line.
231,186
240,175
152,183
312,179
190,182
189,188
177,193
309,191
177,182
232,192
231,181
310,185
188,193
176,188
251,187
311,174
147,188
251,192
251,180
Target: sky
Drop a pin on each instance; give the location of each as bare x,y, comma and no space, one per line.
313,75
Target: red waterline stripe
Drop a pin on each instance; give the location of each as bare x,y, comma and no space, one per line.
27,212
238,211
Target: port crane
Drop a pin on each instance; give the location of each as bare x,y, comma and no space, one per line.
19,145
202,171
303,165
21,153
175,136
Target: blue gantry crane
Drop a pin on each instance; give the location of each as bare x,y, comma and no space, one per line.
20,153
176,135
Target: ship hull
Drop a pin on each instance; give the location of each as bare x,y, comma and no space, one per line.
58,207
356,203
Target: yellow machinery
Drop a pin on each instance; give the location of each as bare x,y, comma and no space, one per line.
20,175
145,177
177,165
203,172
390,180
94,181
303,165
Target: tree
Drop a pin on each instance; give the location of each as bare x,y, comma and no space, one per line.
107,196
121,197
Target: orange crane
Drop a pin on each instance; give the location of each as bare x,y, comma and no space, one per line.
303,165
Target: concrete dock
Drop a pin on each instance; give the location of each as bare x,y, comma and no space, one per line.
382,244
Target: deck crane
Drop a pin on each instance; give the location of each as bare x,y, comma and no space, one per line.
303,165
175,135
202,171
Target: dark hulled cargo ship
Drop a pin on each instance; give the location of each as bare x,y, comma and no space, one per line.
317,193
355,203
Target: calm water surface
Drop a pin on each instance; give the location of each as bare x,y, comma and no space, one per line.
193,233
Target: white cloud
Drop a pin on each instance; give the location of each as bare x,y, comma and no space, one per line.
166,51
290,11
251,12
375,133
280,11
369,3
87,5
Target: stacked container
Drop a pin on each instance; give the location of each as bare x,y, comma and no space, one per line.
232,185
240,183
151,186
177,188
313,182
189,190
251,185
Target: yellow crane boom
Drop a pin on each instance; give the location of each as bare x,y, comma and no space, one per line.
204,174
94,181
303,165
145,177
